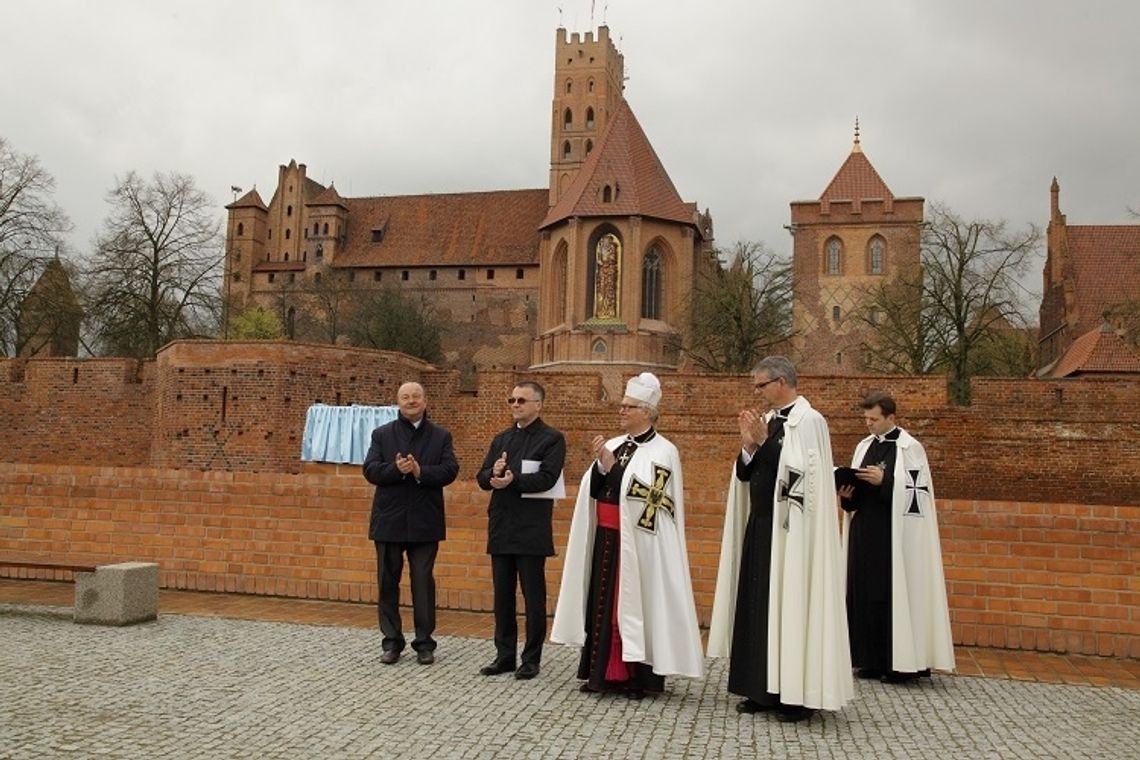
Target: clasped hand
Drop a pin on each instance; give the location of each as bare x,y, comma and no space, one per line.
408,465
604,456
501,476
753,429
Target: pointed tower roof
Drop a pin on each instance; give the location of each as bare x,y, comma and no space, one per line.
249,200
625,161
328,197
857,180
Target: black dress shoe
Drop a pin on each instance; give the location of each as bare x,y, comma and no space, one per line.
425,657
390,656
497,667
793,713
868,673
527,671
751,706
635,694
896,677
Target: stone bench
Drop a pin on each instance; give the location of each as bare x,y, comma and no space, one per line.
119,594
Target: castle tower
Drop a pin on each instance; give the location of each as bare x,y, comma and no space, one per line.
851,240
246,225
589,79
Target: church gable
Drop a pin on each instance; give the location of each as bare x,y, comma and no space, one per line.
622,177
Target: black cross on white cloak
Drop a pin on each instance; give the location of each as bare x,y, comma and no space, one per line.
791,491
914,486
654,497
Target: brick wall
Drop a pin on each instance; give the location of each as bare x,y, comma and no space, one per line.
1052,577
198,467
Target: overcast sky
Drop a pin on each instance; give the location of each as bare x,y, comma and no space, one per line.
750,104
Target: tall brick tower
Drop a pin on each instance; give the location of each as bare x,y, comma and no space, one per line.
589,79
855,237
619,249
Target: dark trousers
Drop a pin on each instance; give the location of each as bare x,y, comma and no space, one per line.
530,572
389,568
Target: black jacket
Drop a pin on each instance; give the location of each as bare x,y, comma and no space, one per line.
404,509
518,525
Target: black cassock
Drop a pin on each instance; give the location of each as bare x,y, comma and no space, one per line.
602,598
748,660
869,561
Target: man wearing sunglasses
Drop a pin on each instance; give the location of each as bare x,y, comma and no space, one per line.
522,466
778,611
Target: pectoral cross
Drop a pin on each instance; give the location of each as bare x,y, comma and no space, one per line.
626,455
654,496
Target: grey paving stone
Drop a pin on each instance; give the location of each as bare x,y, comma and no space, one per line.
189,687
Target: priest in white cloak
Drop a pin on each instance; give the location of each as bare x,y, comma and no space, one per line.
778,611
626,596
898,618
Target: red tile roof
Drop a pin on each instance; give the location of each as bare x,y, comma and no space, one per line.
625,160
327,197
250,199
856,180
1106,268
1102,350
498,228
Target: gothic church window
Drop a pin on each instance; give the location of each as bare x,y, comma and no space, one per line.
589,147
590,85
835,314
651,285
288,211
326,228
569,86
876,251
568,119
566,150
607,194
316,228
241,229
834,256
288,234
589,118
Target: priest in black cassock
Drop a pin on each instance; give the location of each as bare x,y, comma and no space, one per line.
626,598
778,610
898,620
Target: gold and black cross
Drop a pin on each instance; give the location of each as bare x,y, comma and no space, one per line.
654,496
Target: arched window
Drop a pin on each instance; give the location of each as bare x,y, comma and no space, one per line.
875,255
241,229
286,255
589,147
569,86
590,85
316,228
568,119
651,285
834,256
288,234
288,211
835,314
326,229
607,194
589,118
566,150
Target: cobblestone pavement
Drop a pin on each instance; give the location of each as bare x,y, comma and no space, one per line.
200,687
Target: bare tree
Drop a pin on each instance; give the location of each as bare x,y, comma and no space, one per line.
971,302
31,233
388,319
741,311
898,325
155,273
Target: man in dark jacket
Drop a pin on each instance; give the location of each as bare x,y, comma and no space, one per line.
410,461
524,460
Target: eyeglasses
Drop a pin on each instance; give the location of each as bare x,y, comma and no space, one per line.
758,386
520,401
629,407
